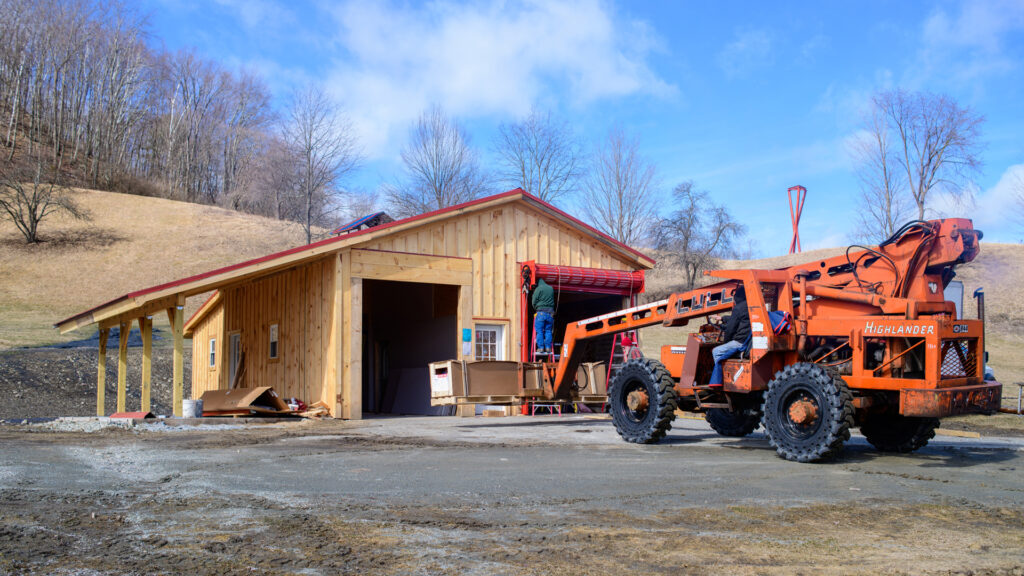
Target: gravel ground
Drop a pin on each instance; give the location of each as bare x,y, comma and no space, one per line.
51,382
515,495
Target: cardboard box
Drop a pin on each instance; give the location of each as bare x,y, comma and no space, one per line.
492,378
446,379
261,400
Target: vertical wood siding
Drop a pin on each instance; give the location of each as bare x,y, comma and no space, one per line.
301,302
203,378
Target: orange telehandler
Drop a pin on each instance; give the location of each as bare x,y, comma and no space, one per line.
872,342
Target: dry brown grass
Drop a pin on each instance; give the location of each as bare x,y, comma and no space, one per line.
132,242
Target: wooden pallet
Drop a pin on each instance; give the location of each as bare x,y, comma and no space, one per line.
504,399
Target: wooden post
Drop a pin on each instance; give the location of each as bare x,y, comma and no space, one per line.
464,320
177,318
339,339
146,328
122,364
101,374
352,342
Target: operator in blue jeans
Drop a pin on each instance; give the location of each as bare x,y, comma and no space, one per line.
543,301
737,333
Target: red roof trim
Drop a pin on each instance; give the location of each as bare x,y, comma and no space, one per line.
347,237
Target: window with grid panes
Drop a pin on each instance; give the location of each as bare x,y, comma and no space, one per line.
488,342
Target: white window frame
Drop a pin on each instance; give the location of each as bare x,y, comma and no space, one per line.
499,330
213,353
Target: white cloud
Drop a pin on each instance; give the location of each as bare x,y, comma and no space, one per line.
967,45
494,58
750,50
993,210
259,14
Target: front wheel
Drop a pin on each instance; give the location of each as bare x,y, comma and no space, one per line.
808,413
643,401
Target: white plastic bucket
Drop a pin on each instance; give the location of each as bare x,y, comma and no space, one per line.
191,408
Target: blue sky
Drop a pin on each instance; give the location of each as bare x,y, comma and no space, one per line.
744,98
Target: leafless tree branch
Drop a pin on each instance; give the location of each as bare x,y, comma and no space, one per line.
621,188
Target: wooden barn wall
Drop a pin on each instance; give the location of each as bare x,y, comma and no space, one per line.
203,377
497,240
301,302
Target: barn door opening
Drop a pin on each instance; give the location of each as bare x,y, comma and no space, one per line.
406,326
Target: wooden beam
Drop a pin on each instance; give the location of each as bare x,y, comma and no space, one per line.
406,267
146,328
352,347
178,379
101,374
464,321
337,327
122,365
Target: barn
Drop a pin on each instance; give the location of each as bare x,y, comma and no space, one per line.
352,321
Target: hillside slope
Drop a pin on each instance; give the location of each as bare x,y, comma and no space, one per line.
131,242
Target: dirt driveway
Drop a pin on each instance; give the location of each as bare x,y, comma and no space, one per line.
545,495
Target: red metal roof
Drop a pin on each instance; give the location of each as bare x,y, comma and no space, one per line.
347,237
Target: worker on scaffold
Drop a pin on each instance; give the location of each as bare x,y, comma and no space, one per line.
543,301
736,336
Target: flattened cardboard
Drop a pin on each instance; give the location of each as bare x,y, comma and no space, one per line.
262,400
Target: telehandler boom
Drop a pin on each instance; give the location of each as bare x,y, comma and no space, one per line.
872,343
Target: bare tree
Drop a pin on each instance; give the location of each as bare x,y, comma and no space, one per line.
540,155
324,144
30,192
441,169
1018,198
884,203
621,188
936,147
697,234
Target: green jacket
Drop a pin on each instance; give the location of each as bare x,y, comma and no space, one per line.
543,296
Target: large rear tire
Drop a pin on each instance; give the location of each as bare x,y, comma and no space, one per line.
808,413
643,401
734,423
898,433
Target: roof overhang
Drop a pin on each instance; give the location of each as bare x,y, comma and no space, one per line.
164,296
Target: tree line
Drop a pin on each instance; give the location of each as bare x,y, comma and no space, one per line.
85,99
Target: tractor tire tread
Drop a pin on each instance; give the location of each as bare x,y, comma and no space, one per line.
838,414
664,401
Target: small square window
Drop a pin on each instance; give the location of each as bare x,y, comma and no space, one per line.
273,341
213,352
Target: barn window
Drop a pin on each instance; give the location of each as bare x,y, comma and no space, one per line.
273,341
489,342
213,352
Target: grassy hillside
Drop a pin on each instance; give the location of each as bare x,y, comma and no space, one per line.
131,242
